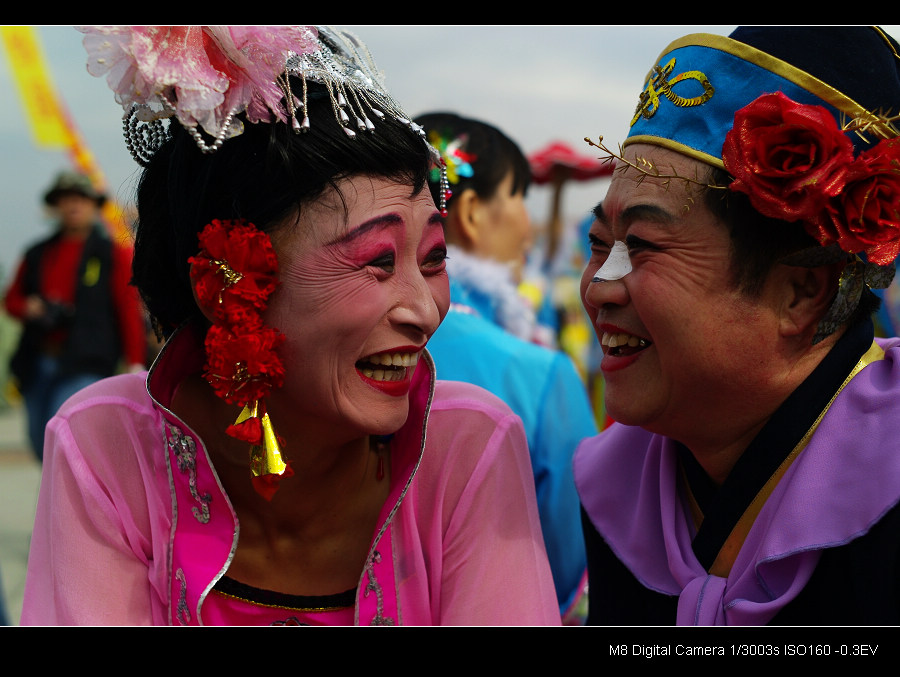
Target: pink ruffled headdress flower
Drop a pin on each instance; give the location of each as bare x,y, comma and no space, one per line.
203,75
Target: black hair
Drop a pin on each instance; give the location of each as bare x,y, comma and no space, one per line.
264,175
495,155
758,242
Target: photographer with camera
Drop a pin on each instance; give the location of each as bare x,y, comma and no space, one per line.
81,319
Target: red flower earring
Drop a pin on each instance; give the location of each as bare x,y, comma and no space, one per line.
233,276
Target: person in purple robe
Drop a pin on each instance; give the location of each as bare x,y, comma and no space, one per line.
752,475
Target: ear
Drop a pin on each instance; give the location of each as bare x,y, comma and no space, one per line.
465,219
203,309
808,295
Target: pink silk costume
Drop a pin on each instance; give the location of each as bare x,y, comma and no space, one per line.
134,528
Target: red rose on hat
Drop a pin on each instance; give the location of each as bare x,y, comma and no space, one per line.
789,158
865,216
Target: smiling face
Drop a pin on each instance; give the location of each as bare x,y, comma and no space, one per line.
685,353
362,290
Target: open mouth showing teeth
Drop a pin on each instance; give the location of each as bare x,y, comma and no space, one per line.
619,345
387,366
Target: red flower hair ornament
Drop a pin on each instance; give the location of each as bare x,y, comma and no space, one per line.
795,163
233,275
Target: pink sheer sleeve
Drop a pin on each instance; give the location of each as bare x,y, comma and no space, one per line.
493,567
100,526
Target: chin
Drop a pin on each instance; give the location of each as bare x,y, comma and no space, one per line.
626,415
383,420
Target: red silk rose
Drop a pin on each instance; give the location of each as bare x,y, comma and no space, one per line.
235,271
866,214
789,158
242,364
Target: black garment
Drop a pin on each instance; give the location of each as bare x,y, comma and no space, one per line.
855,584
92,343
230,586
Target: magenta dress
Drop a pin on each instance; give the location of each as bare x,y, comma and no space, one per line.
133,526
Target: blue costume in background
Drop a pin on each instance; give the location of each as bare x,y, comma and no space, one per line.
485,340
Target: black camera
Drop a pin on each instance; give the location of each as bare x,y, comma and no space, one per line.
57,315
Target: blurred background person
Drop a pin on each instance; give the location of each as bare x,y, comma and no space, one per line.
563,251
80,317
491,337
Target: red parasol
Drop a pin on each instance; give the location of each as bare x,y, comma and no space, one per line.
558,155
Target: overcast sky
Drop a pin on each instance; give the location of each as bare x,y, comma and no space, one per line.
537,83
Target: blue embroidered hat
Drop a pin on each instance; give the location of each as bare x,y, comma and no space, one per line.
699,82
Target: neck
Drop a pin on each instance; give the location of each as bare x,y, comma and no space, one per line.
718,449
324,471
76,231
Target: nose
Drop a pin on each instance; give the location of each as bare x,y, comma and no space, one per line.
418,306
606,286
616,266
596,295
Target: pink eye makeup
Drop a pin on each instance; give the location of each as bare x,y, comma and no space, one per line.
374,242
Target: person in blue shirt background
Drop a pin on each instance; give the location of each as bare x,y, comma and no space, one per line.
491,336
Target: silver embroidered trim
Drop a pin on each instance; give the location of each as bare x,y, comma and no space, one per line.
186,459
374,586
183,613
374,555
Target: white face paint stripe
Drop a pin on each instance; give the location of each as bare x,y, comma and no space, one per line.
617,264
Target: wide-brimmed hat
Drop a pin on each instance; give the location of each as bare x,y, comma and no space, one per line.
73,182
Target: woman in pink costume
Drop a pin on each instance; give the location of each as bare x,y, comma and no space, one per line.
290,459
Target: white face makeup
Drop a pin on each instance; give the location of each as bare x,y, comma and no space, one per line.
616,266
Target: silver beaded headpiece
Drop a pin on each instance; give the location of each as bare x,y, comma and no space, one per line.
205,76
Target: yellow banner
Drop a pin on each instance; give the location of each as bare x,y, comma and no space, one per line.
48,118
42,108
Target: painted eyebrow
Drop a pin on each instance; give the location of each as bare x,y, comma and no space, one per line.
382,221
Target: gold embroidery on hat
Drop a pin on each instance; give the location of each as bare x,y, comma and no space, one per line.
648,103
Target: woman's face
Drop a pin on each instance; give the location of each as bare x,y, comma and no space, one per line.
363,288
507,235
